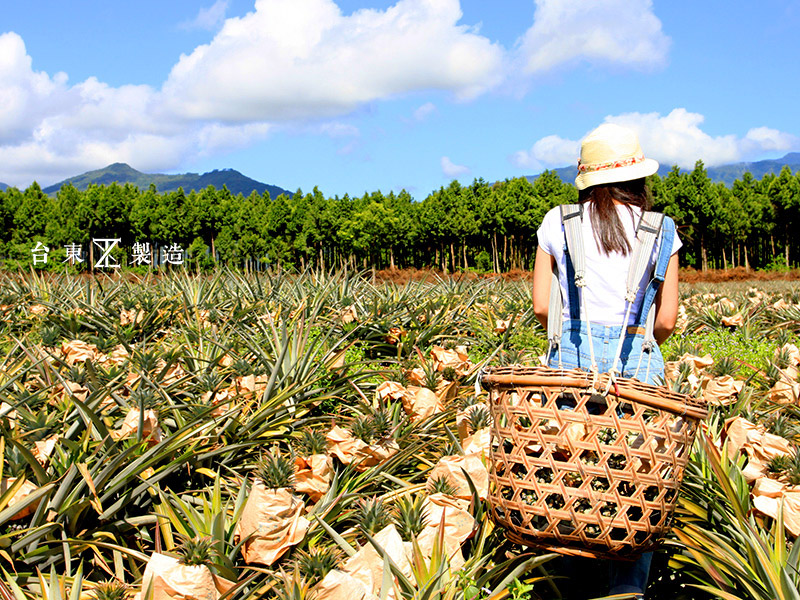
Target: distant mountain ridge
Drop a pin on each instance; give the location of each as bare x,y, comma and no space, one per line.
3,186
122,173
726,174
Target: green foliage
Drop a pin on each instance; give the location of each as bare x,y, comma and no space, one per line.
196,551
734,351
457,229
371,515
276,471
317,562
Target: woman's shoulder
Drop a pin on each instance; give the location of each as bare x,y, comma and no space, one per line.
554,214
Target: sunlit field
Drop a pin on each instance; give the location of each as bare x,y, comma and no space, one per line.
299,436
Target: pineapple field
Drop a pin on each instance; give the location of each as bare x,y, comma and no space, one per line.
321,435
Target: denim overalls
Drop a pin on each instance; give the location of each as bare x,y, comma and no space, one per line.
638,359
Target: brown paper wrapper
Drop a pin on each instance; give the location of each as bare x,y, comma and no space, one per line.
458,526
421,402
118,356
343,445
415,376
44,448
313,475
769,494
271,523
451,467
458,359
478,443
391,389
367,564
168,578
349,449
759,446
793,352
338,585
76,351
698,364
462,419
722,390
27,488
784,392
736,320
131,316
151,431
69,389
361,575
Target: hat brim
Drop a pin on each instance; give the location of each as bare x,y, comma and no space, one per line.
627,173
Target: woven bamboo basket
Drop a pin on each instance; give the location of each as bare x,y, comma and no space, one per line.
584,474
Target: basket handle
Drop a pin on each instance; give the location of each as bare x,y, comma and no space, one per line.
673,406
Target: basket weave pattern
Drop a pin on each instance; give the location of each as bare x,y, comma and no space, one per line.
581,473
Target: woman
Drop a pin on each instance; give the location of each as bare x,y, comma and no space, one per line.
613,194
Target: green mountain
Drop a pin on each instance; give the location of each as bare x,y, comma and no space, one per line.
726,174
3,186
122,173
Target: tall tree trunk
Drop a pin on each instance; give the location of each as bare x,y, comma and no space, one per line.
724,259
746,262
464,252
786,251
453,256
703,255
391,258
495,256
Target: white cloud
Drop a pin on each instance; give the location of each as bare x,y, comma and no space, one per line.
674,139
284,62
50,130
452,170
617,32
547,152
678,138
424,111
303,58
208,18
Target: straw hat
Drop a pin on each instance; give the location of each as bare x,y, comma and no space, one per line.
609,154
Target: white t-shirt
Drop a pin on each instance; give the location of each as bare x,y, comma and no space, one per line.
606,274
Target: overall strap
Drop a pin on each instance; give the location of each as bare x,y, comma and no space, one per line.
646,316
571,217
572,220
647,233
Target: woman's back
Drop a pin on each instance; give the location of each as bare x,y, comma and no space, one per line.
606,274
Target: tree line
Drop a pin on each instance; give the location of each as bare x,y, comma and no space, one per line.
483,226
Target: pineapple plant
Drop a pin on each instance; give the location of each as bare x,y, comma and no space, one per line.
111,589
779,465
317,562
725,365
371,515
409,516
479,418
382,425
311,441
441,485
275,471
450,374
197,551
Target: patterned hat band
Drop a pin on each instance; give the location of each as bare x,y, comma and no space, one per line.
610,165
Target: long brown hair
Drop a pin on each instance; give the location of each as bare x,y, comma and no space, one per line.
606,225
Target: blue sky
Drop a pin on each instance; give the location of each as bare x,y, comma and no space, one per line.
355,96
